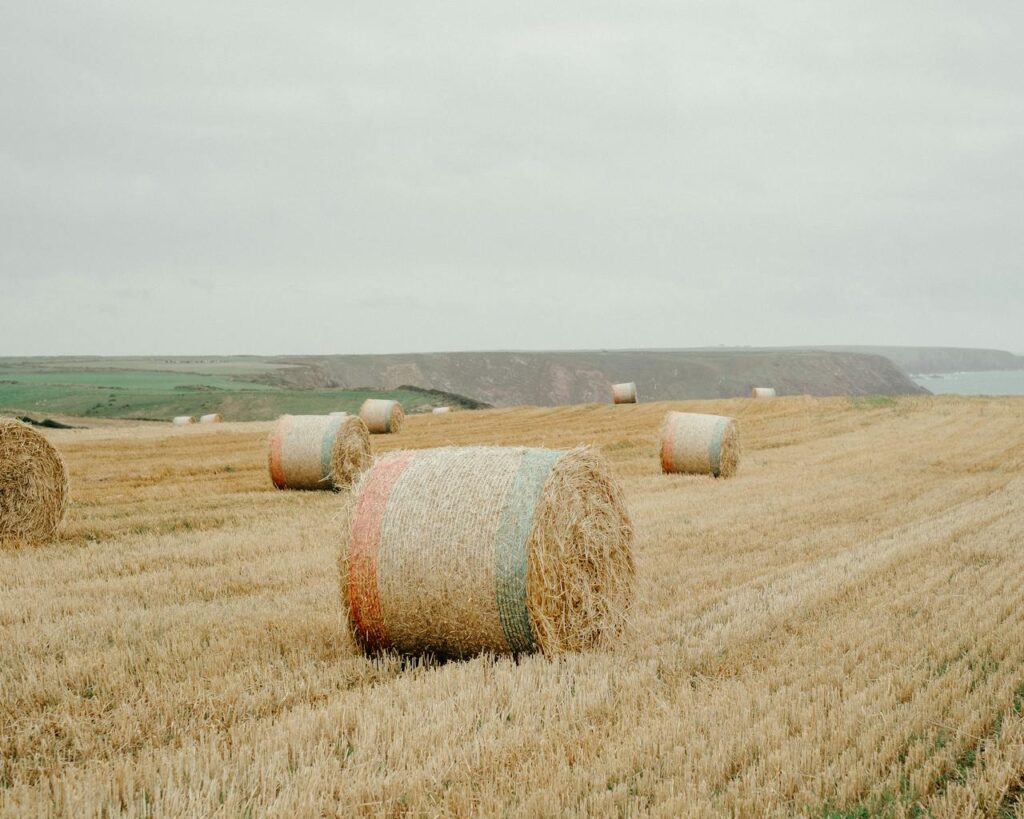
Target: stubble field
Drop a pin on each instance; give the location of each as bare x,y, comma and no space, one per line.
837,631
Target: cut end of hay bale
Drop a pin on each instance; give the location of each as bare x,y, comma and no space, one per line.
382,416
183,420
33,485
318,451
624,393
762,392
699,444
509,550
212,418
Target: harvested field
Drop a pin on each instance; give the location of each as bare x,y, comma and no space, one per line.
837,628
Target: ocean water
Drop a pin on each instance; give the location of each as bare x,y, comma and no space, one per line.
984,382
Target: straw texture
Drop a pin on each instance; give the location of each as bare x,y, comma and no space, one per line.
699,444
318,451
463,550
624,393
762,392
212,418
382,416
33,485
183,420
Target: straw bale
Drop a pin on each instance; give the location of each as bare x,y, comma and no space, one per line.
382,416
458,551
441,410
33,485
624,393
318,451
699,444
212,418
762,392
183,420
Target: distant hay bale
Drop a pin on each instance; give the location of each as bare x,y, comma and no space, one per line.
441,410
183,420
337,412
699,444
624,393
318,451
381,415
458,551
33,485
762,392
212,418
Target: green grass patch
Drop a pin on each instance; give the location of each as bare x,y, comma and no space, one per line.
869,402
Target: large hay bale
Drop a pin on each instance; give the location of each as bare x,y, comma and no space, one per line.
698,444
318,451
183,420
33,485
212,418
381,415
462,550
624,393
762,392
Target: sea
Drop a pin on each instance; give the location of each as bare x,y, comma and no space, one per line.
982,382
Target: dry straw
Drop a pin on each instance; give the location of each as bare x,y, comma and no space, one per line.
33,485
699,444
464,550
624,393
318,451
762,392
382,416
212,418
183,420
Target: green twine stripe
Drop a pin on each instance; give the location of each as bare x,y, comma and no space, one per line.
327,447
510,552
715,447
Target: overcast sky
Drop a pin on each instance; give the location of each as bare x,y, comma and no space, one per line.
253,177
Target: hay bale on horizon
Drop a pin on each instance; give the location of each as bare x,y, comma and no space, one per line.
762,392
458,551
696,443
382,416
33,485
183,420
211,418
624,393
318,451
440,410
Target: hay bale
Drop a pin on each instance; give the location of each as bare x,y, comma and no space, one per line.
382,416
699,444
212,418
458,551
624,393
441,410
318,451
183,420
33,485
762,392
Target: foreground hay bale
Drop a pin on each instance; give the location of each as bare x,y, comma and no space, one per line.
624,393
183,420
462,550
318,451
212,418
762,392
33,485
382,416
698,444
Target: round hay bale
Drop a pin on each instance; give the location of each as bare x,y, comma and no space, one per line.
762,392
382,416
183,420
698,444
212,418
441,410
624,393
318,451
458,551
33,485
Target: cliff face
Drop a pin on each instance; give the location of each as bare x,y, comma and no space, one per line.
551,378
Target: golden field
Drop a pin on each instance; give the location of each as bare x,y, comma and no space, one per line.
836,631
